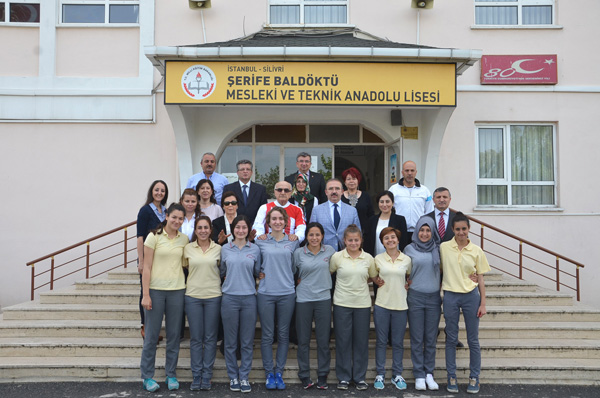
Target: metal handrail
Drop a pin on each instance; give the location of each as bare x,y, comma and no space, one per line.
521,256
53,267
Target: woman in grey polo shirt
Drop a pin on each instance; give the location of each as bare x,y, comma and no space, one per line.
313,301
276,295
240,265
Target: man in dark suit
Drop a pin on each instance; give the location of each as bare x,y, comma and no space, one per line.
441,202
333,212
252,195
316,182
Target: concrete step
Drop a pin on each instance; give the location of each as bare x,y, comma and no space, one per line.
499,370
108,284
509,286
574,313
125,328
34,310
73,296
124,274
540,297
121,346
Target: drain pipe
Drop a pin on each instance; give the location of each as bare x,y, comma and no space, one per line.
418,26
203,27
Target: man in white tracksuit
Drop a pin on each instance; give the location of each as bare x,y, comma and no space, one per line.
411,199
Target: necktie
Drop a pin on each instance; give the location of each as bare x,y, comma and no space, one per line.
245,192
442,226
336,216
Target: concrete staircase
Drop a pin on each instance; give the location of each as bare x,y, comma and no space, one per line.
90,331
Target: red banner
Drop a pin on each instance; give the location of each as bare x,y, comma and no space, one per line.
519,69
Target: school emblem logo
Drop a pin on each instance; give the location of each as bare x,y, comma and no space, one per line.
198,82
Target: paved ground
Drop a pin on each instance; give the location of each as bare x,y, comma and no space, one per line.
131,390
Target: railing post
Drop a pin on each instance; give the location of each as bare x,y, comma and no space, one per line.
52,273
481,243
577,282
520,260
557,276
125,248
32,280
87,261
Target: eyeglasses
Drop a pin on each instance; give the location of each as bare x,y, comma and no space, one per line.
232,203
286,190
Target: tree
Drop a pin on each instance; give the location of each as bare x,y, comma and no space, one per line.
269,179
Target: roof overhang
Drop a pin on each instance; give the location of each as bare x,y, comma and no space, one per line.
462,58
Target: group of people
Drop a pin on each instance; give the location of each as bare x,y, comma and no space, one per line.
314,251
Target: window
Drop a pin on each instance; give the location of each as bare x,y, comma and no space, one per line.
19,12
516,165
100,12
514,12
291,12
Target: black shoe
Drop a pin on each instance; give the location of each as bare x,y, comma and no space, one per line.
459,344
322,383
361,385
343,385
307,383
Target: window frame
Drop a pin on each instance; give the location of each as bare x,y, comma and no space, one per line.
7,21
106,4
507,180
302,4
515,3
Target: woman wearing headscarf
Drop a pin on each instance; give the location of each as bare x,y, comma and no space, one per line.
302,197
424,302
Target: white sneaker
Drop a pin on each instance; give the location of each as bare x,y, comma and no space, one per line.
431,384
420,384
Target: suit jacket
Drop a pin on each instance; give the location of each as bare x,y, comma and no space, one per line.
396,221
257,196
333,237
316,182
449,234
218,226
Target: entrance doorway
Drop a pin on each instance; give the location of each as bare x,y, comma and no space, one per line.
333,148
369,160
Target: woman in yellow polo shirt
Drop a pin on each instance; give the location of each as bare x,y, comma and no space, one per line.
391,311
163,288
354,269
203,301
460,259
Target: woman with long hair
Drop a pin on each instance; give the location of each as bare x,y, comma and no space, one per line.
276,295
391,311
354,269
208,202
149,217
189,201
313,302
302,197
387,217
203,301
360,200
163,289
462,260
240,266
424,301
